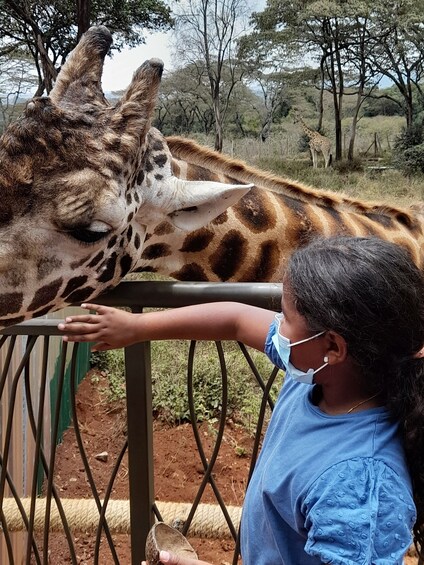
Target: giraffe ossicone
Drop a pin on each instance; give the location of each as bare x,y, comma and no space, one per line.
80,182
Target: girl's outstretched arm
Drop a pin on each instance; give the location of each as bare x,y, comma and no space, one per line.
111,328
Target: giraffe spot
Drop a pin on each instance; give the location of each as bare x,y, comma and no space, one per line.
6,214
160,160
130,217
295,205
96,259
190,272
196,172
108,270
112,241
158,176
129,233
11,321
10,303
137,241
128,198
228,257
148,166
73,284
382,219
146,269
137,197
157,145
221,219
265,264
45,294
256,212
140,177
43,311
156,250
197,240
47,265
164,228
126,263
80,295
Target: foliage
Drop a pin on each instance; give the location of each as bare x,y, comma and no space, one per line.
47,30
170,400
409,150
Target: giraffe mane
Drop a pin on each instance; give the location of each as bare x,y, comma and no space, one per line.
191,152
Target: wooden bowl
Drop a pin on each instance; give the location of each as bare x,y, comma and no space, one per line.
164,537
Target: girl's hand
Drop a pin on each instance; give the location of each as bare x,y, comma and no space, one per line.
109,328
172,559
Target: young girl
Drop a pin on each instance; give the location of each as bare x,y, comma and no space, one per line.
340,476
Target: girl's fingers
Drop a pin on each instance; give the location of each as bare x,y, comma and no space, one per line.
75,325
80,337
88,319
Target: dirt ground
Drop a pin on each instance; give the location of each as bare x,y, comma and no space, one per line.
178,472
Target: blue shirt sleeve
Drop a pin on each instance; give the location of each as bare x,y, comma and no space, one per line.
359,512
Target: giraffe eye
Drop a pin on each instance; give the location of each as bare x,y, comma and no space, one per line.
90,234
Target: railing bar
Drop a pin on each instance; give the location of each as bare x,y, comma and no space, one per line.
49,489
80,443
208,466
105,502
16,497
5,532
37,431
7,364
255,371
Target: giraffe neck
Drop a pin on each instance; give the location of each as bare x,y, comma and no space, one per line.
308,131
252,240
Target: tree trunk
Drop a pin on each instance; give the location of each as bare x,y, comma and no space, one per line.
83,16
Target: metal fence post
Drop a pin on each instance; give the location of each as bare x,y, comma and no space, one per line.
140,446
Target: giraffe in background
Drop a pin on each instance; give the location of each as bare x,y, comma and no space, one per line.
317,143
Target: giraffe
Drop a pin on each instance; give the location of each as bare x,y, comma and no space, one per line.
252,240
80,180
317,143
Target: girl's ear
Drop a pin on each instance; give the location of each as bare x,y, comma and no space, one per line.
336,348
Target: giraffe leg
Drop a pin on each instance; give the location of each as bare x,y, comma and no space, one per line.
314,158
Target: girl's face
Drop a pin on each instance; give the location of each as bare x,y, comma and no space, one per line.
294,326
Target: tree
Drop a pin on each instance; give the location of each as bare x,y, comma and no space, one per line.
47,30
16,80
398,48
206,34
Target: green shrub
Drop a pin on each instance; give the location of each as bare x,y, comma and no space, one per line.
169,381
411,161
345,166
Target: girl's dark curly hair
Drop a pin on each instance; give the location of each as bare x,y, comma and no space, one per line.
370,292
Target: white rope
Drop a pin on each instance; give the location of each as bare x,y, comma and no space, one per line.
83,515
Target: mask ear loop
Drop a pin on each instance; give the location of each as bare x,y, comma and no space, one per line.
326,359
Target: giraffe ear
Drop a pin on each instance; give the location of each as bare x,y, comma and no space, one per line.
194,204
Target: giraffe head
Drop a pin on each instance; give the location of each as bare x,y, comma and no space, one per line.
81,180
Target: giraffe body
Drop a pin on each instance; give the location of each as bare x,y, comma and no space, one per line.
318,144
252,240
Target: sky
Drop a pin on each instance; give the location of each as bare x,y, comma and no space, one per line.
118,70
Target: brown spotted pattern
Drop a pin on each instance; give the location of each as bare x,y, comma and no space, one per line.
252,240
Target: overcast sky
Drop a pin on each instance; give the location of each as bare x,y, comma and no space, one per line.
119,69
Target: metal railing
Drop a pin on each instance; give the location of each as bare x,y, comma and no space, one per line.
24,388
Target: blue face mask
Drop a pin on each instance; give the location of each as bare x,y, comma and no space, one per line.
283,346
